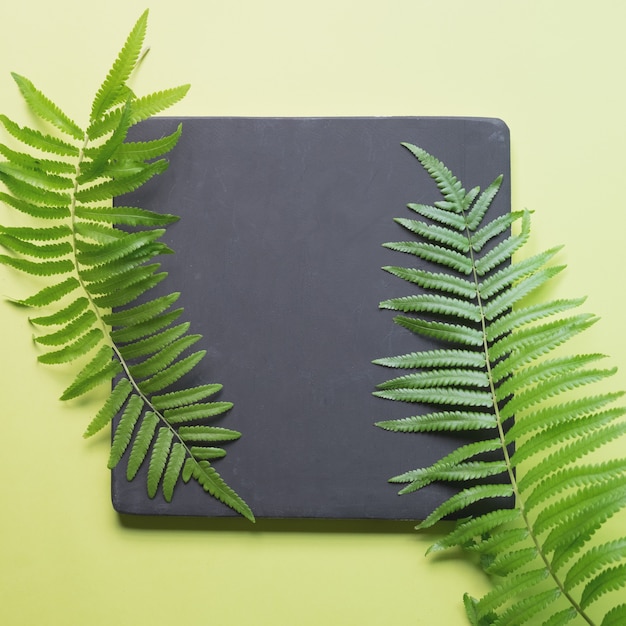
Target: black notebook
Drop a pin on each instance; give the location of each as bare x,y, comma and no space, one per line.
278,258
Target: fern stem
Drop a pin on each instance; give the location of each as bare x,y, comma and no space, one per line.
507,457
96,309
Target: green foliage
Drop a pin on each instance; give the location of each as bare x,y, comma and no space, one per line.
64,180
500,376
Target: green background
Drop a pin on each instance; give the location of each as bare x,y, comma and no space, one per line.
552,70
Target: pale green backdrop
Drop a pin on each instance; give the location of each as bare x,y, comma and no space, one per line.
553,70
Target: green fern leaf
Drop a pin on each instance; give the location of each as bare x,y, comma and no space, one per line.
154,343
141,443
131,292
114,403
35,268
609,580
463,499
171,374
41,251
509,562
143,150
115,82
438,378
154,103
124,431
493,229
212,482
523,611
462,472
44,108
130,216
177,399
101,156
158,459
435,304
26,233
120,186
561,618
207,434
196,412
75,328
164,357
593,560
445,217
207,453
144,328
63,315
434,358
121,281
173,470
36,178
70,352
29,162
542,550
49,295
442,421
511,274
142,312
503,251
615,617
38,212
450,333
502,540
90,266
477,212
452,239
433,253
442,282
38,140
467,531
509,588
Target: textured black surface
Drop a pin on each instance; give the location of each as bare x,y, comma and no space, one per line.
278,258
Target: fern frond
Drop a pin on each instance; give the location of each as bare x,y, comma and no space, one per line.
91,266
542,550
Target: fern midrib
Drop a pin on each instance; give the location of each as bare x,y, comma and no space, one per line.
507,457
96,309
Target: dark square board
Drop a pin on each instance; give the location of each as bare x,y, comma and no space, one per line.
278,261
